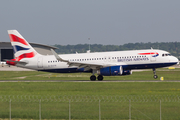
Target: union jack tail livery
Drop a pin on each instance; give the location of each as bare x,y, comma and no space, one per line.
22,49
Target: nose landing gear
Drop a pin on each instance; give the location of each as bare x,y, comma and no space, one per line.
154,71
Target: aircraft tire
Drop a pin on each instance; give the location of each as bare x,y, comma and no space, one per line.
93,78
100,78
155,76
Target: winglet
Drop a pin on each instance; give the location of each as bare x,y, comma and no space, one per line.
57,57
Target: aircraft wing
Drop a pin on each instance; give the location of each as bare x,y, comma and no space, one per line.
88,66
85,65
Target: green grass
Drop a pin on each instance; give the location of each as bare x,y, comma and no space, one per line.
84,96
90,88
145,98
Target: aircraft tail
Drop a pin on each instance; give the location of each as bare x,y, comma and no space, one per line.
22,49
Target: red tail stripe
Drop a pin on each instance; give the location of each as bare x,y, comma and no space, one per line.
151,53
25,55
14,38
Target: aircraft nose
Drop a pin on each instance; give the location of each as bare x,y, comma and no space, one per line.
177,61
174,59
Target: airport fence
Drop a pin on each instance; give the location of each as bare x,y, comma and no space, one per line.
140,107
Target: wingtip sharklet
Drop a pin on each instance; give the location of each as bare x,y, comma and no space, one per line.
57,57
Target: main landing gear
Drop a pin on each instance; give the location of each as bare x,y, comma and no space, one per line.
154,71
93,78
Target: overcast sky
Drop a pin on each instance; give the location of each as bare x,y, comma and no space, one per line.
114,22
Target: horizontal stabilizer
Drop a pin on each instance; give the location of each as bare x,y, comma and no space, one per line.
13,62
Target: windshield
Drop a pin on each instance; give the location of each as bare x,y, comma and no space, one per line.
166,54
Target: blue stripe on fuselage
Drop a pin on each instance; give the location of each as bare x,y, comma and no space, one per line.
125,67
148,66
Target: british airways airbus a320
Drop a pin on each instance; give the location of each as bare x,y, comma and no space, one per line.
100,63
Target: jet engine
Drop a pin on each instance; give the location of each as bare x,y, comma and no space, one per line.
114,70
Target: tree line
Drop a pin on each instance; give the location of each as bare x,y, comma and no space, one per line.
172,47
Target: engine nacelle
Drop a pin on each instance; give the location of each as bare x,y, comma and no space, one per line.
127,72
114,70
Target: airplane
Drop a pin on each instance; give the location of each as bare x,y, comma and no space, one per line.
116,63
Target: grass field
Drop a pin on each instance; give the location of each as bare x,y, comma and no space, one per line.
25,106
145,96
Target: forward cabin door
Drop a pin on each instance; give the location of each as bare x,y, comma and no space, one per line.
40,62
153,56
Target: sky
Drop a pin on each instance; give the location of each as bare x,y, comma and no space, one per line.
107,22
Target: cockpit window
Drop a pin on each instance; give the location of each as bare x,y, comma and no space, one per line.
166,54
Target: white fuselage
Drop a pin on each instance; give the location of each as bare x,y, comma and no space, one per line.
134,59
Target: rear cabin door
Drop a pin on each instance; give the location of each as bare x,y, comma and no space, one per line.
40,62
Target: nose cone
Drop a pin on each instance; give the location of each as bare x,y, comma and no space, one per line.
174,59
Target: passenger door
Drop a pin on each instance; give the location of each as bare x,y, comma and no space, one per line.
40,62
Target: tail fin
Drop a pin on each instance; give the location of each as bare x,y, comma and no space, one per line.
22,49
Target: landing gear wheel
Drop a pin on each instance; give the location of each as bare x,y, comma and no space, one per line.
93,78
154,71
100,77
155,76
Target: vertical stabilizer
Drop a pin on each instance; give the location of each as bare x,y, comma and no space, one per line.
22,49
